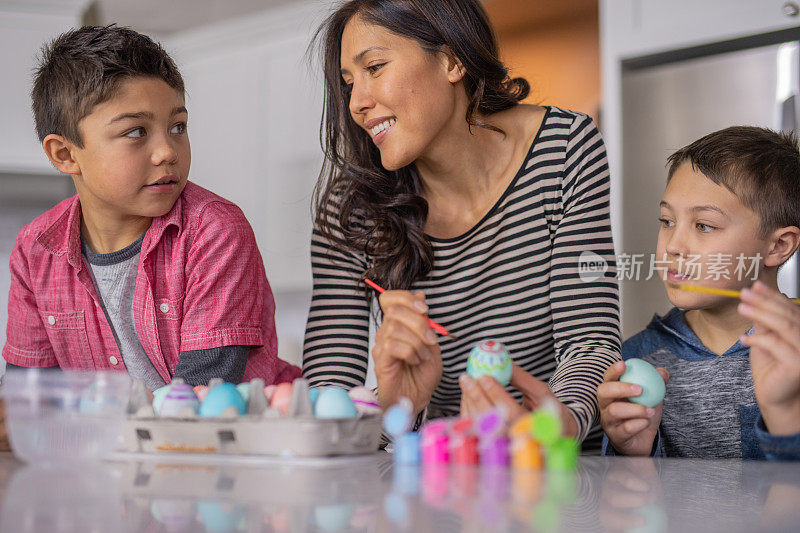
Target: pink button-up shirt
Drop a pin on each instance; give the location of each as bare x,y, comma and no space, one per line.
200,284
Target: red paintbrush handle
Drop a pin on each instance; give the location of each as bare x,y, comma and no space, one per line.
438,328
374,285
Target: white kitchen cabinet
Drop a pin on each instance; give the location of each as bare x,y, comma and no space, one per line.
24,28
254,112
255,105
641,27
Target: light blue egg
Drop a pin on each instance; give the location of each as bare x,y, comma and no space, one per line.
642,373
313,393
220,398
158,397
244,390
334,402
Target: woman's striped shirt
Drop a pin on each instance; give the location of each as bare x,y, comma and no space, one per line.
537,273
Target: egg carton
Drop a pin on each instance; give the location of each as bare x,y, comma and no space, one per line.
261,431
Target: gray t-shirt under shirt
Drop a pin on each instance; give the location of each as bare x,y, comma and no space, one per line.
114,277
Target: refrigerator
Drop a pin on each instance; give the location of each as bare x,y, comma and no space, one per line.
669,100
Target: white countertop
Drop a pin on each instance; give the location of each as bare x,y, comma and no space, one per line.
368,493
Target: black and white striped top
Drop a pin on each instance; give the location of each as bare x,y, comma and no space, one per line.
513,277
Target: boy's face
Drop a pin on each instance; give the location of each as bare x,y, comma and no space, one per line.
706,222
135,157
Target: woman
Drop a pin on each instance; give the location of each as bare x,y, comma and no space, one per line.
438,181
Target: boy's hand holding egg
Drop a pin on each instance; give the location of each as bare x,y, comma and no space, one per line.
645,375
630,410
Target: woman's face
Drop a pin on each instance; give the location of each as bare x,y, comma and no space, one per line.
402,95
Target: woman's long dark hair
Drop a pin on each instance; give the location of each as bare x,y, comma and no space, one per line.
378,212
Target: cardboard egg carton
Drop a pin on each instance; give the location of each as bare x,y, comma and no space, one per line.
261,431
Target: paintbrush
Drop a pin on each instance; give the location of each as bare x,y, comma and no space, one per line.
719,292
436,327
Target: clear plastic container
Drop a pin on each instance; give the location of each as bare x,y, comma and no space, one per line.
64,417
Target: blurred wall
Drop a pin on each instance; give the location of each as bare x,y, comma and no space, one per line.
555,45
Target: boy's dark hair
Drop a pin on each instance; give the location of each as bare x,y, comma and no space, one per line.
760,166
82,68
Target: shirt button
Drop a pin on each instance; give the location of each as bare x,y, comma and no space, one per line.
113,360
51,320
164,308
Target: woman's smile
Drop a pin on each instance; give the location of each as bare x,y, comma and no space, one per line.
380,130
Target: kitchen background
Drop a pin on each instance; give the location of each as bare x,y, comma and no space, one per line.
654,75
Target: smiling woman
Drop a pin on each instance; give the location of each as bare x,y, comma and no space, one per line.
437,180
385,54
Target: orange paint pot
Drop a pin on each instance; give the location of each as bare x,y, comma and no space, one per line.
526,453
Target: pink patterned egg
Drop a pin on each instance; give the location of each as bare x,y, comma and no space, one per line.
365,400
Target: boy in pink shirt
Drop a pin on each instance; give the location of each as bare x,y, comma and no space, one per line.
142,270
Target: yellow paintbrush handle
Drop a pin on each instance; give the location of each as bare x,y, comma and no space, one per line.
720,292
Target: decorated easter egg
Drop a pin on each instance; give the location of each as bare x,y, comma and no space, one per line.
158,397
220,398
244,390
178,397
333,402
365,400
490,358
281,398
642,373
201,391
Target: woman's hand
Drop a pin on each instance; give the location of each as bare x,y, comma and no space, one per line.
774,356
630,427
485,393
408,360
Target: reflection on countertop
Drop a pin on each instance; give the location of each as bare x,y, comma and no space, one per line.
366,494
